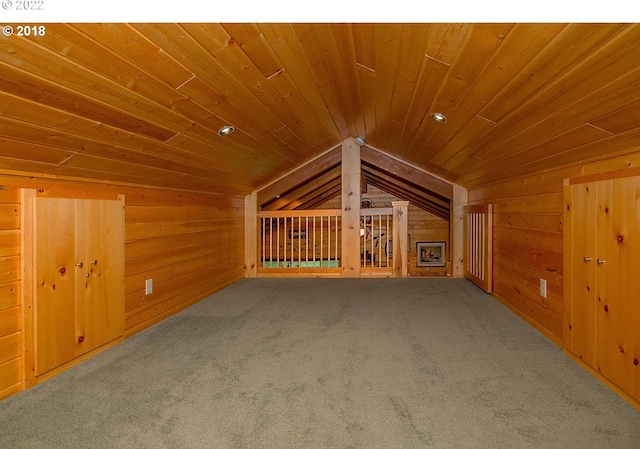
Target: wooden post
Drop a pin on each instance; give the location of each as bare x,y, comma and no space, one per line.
456,229
251,235
350,208
400,237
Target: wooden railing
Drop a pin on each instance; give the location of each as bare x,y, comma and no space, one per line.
306,241
312,242
376,244
478,242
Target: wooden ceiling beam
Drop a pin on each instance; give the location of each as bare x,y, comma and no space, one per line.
301,175
406,171
319,199
314,187
421,201
401,184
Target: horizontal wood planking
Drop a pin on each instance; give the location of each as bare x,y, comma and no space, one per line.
11,346
186,245
528,236
10,335
191,244
9,321
143,102
10,380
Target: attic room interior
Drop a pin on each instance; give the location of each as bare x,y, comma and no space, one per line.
145,167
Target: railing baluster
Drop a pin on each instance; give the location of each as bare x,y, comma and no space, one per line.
328,238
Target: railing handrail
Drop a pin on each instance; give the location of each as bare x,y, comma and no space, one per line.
300,213
377,211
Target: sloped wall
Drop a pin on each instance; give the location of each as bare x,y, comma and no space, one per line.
190,244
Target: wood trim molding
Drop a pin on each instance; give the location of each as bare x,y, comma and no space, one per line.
627,173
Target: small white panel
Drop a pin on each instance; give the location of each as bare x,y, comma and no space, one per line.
148,286
543,288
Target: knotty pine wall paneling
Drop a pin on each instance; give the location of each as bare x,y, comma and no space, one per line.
191,244
528,233
10,335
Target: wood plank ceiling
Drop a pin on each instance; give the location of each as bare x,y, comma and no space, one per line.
142,103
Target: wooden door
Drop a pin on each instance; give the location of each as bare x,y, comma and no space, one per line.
618,283
478,245
79,277
580,263
56,276
104,274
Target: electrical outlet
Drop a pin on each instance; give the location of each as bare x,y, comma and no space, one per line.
543,288
148,286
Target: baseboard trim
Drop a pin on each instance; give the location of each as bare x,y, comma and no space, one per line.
624,395
71,363
554,338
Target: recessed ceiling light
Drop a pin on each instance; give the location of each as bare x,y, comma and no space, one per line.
438,117
226,130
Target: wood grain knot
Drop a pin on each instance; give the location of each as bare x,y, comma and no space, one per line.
620,239
606,308
635,362
63,270
621,350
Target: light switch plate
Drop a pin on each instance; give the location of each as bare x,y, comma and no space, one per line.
543,288
148,286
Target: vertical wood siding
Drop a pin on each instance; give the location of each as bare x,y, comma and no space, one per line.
190,244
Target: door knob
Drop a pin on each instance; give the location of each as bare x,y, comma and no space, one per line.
79,264
587,259
600,261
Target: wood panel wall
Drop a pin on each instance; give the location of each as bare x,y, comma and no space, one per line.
528,239
190,244
423,226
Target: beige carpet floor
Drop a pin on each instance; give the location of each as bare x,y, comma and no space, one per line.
328,363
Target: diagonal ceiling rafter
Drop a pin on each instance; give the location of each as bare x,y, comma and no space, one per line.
319,181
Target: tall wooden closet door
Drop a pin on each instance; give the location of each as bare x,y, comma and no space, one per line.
104,249
56,287
580,263
618,279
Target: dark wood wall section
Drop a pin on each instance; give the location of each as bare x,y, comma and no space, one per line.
190,244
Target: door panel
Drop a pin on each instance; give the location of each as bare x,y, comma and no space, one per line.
579,309
104,288
79,277
618,277
55,276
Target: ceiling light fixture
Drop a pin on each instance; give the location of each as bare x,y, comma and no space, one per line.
438,117
359,141
226,130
